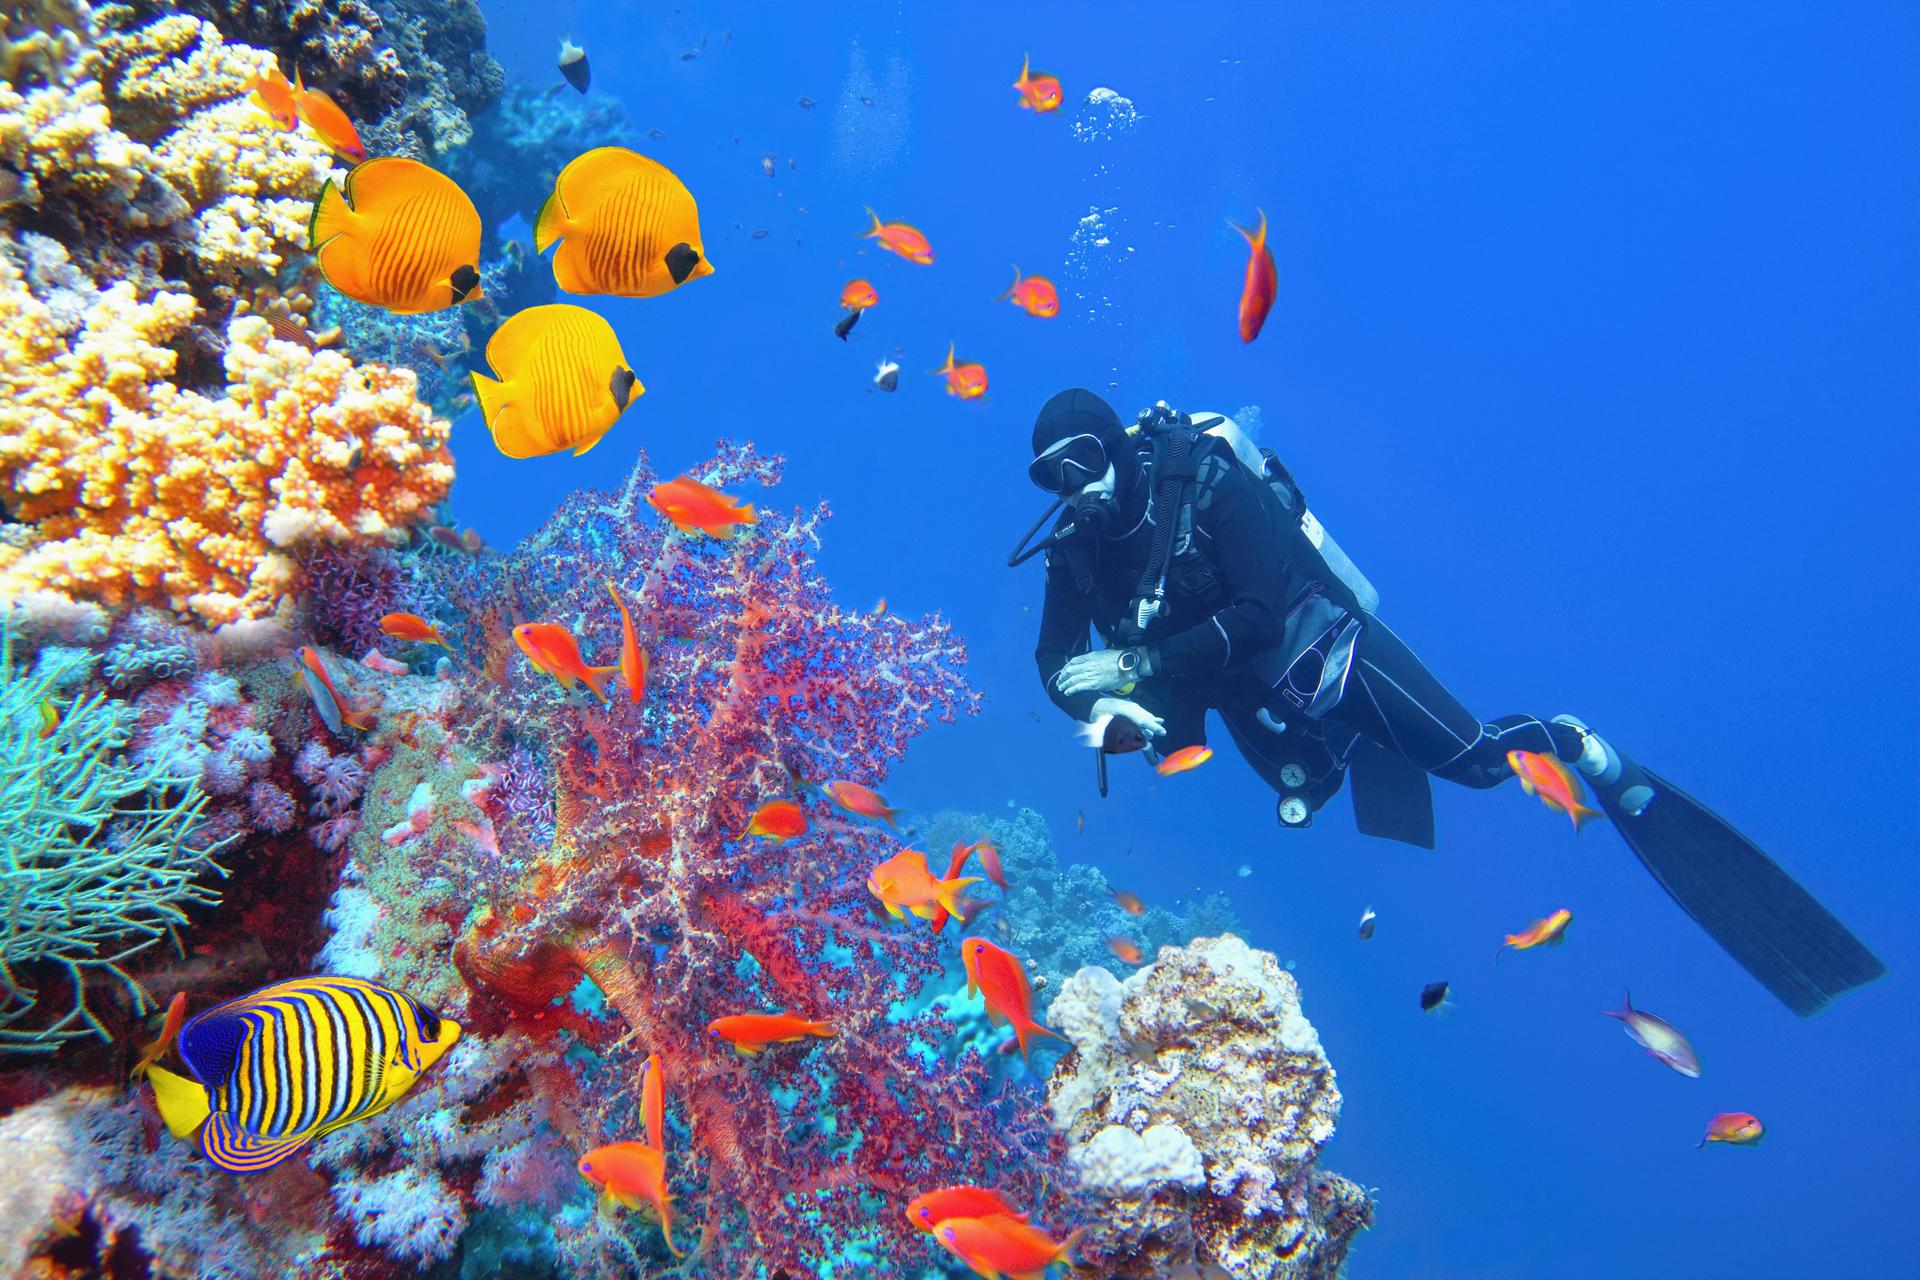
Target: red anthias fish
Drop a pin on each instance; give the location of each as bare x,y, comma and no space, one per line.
1553,782
858,296
752,1032
1002,1246
553,650
1002,979
900,238
328,122
633,659
1034,295
935,1207
169,1031
1184,759
1737,1128
1551,932
653,1102
967,381
1040,92
1256,296
411,626
778,821
632,1174
864,801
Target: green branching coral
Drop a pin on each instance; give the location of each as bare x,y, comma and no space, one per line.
98,856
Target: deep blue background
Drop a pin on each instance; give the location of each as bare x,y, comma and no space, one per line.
1596,345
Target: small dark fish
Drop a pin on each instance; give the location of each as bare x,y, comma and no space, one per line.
656,134
1366,924
806,104
289,331
573,65
1036,717
1080,826
866,102
1433,995
846,324
888,376
761,234
792,164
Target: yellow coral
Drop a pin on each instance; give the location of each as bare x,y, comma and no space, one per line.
141,492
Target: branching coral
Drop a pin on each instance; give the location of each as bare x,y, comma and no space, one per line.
102,857
140,492
652,894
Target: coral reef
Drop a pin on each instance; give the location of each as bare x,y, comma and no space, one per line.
140,492
158,444
1058,920
649,912
104,848
1195,1102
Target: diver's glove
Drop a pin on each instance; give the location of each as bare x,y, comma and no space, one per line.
1103,671
1118,724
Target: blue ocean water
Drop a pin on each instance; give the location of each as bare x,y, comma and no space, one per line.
1596,346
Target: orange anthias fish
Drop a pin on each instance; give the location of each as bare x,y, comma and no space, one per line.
653,1102
692,506
273,94
989,862
49,718
333,707
1184,759
864,801
169,1031
904,885
632,1174
778,821
1737,1128
554,650
1551,931
967,381
1126,949
900,238
1033,294
1256,296
411,626
328,122
935,1207
752,1032
1129,902
1548,778
633,659
858,296
1037,92
1002,979
1002,1246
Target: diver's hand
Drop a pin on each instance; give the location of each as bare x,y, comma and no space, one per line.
1149,724
1096,672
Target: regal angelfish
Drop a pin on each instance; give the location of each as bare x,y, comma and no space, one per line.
276,1069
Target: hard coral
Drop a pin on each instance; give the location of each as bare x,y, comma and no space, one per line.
1195,1101
141,492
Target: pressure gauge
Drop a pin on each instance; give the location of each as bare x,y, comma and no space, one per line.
1294,811
1293,775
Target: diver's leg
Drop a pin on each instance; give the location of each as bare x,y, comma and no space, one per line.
1393,699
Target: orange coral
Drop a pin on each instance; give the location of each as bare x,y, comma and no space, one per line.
137,491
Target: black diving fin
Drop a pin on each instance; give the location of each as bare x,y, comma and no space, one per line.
1778,931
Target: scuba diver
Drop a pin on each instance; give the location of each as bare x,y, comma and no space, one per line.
1193,554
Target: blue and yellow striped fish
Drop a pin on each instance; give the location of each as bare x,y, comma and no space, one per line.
276,1069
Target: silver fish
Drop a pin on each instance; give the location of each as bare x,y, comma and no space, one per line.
1367,918
1657,1038
888,377
766,164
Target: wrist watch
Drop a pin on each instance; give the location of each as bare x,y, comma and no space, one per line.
1133,663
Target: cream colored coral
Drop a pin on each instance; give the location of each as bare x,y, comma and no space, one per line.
180,114
141,492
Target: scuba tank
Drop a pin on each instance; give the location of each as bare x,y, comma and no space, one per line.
1315,547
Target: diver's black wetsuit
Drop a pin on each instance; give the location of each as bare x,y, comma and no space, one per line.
1219,646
